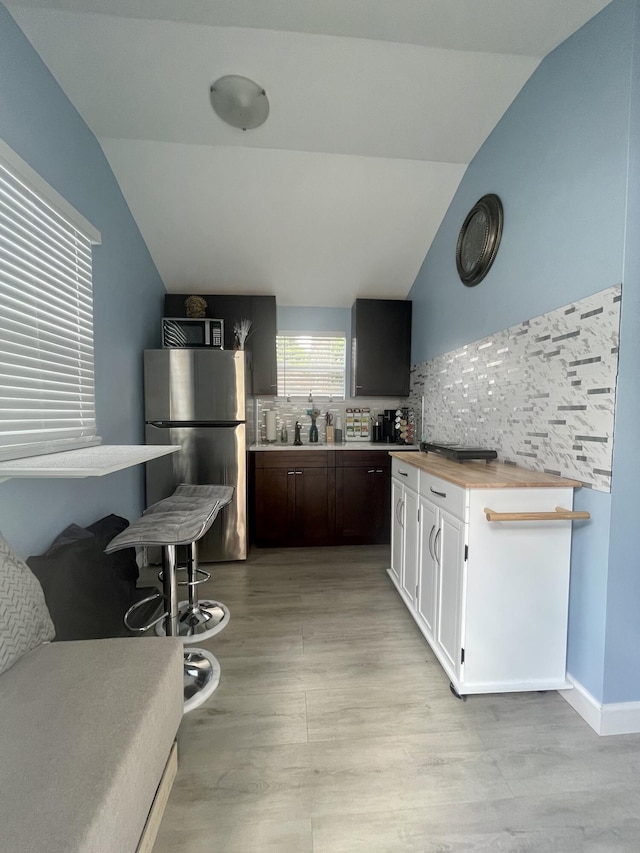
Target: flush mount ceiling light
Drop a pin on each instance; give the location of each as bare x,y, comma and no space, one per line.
239,101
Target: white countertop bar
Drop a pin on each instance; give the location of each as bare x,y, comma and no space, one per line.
349,445
85,462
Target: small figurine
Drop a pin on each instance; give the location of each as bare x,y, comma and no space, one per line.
196,306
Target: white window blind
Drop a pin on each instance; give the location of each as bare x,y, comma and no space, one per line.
311,362
46,317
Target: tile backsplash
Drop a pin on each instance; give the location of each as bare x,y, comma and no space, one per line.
290,412
541,393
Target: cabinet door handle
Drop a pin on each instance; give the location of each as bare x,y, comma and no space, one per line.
404,474
402,515
299,472
433,527
371,471
439,494
435,545
379,471
289,473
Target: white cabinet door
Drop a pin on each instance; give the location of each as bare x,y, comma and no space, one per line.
426,603
448,545
397,528
409,577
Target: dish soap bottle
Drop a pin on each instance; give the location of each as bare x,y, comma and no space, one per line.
284,436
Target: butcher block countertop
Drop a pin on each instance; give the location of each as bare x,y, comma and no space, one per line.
480,475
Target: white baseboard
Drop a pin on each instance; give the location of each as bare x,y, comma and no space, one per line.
614,718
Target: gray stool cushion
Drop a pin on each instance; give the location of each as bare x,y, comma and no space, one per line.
182,518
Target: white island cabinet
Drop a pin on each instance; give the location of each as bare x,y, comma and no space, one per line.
481,556
404,528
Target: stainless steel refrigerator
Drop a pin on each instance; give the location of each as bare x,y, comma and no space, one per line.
197,398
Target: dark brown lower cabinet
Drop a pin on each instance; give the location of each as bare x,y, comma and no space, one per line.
271,506
294,498
320,497
363,497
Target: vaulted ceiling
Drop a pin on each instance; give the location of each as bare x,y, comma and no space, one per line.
376,108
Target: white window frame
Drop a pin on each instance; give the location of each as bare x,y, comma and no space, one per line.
39,412
318,392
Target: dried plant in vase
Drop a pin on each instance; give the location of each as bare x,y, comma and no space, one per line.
241,331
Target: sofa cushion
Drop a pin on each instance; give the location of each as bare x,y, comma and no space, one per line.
86,730
24,619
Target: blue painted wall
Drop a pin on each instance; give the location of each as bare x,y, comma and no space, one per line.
559,160
305,319
40,124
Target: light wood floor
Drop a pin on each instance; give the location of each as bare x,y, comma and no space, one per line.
333,729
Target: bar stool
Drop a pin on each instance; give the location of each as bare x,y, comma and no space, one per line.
197,619
181,519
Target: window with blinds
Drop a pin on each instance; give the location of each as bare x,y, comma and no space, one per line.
311,362
46,317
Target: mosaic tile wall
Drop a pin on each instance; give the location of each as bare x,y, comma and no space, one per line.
297,410
541,393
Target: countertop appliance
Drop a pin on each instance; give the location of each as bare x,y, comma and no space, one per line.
197,398
458,452
389,426
192,332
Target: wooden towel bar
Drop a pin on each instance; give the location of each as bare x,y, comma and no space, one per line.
560,514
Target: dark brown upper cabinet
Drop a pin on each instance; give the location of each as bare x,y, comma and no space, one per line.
380,347
261,343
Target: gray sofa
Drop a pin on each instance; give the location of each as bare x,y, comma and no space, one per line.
87,727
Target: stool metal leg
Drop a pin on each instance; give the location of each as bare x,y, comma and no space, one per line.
197,619
170,587
201,668
192,571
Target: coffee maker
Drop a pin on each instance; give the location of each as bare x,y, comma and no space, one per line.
389,426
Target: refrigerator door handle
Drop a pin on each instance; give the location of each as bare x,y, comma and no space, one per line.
196,424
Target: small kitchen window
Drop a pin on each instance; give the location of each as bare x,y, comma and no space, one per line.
311,362
47,400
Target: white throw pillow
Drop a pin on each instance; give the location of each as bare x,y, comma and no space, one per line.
24,618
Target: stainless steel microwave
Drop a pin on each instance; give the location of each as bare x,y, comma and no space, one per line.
192,332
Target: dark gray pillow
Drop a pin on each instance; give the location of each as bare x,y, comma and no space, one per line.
70,534
87,591
24,618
